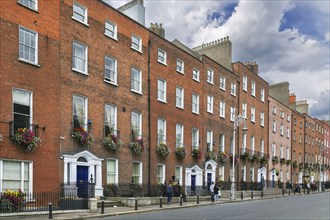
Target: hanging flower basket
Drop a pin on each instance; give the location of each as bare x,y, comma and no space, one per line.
275,160
137,147
222,157
210,155
180,153
112,143
282,161
26,138
300,166
236,158
263,161
196,153
163,150
288,162
245,157
295,164
255,158
82,137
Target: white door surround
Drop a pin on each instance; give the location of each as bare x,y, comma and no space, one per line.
84,158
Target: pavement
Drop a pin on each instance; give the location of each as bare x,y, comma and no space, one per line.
124,210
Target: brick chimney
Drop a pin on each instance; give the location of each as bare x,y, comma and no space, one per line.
253,66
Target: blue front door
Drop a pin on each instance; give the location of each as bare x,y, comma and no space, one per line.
82,181
209,180
193,184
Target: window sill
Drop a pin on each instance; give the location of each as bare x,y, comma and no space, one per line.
86,24
180,72
196,113
222,116
113,38
111,83
210,83
79,71
162,101
140,51
137,92
209,112
222,89
196,80
233,94
28,62
160,62
180,107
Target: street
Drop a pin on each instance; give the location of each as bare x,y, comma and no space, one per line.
314,206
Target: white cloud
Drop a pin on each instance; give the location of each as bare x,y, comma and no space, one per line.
253,29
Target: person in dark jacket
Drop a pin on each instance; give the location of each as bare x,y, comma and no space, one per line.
169,192
216,192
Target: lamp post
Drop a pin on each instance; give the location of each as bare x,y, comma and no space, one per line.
238,120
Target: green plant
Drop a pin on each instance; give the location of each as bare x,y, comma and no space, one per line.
245,157
82,137
288,162
137,146
282,161
255,158
275,160
300,166
263,161
163,150
11,201
111,142
196,153
222,157
180,153
211,155
295,164
26,138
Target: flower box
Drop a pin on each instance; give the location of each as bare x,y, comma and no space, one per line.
210,155
263,161
112,143
222,157
137,146
180,153
196,153
26,138
163,150
245,157
282,161
81,136
275,160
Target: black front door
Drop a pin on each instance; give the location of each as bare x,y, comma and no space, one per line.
82,181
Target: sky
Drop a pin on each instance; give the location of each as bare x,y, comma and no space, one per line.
289,40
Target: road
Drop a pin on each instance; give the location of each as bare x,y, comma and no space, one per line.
314,206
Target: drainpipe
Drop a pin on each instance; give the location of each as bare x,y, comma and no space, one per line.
149,118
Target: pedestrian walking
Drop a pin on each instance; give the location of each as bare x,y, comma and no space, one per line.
169,193
212,191
216,192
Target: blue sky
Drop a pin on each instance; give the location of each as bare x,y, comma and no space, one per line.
289,40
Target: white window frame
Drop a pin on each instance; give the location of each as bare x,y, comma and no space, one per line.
222,172
110,118
232,113
83,15
209,140
136,43
244,87
161,131
179,66
84,58
28,46
244,110
22,97
179,94
253,114
178,176
195,138
110,29
161,91
195,103
252,174
222,108
136,80
161,176
252,144
287,132
281,130
233,89
262,94
287,153
222,83
244,173
179,132
210,76
273,149
222,141
139,175
162,56
136,123
112,70
31,4
274,126
244,145
253,88
81,118
281,152
195,74
262,147
262,119
210,104
22,179
115,173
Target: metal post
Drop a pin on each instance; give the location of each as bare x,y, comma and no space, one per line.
289,191
251,194
50,215
262,194
102,207
180,199
242,195
283,192
136,206
160,202
197,198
